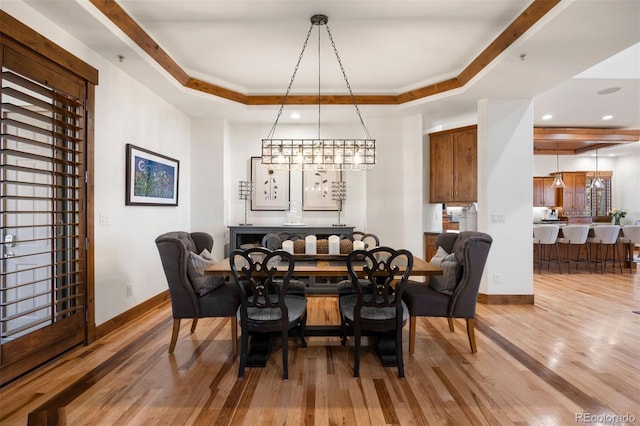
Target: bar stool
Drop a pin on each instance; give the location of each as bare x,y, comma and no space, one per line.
576,235
632,237
606,235
546,236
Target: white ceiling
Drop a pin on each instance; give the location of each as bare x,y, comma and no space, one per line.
387,47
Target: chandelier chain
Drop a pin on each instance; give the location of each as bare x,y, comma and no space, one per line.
346,80
293,77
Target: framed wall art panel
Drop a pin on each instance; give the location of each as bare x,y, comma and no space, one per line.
151,178
316,190
271,187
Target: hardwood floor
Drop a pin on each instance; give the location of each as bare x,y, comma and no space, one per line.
572,355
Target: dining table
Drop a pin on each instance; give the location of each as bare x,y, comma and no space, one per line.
324,265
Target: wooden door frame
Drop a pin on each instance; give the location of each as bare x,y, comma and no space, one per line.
16,34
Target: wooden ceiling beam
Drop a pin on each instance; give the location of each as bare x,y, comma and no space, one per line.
532,14
572,141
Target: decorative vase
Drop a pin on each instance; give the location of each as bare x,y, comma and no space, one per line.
616,221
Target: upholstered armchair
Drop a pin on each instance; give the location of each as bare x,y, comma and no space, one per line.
193,294
458,300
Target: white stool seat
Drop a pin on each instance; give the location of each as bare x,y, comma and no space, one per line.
606,235
546,235
576,235
631,236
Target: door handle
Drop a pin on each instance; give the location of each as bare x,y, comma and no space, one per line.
9,240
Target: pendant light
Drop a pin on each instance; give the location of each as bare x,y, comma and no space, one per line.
557,181
319,153
597,183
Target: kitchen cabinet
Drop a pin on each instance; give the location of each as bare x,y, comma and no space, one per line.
453,165
544,195
447,224
574,192
430,245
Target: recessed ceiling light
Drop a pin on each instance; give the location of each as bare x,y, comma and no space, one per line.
608,91
607,117
547,117
295,115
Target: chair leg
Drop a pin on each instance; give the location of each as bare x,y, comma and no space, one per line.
472,335
303,326
356,358
234,336
569,257
619,258
557,258
285,353
244,343
194,323
343,330
451,326
174,335
412,335
588,257
399,358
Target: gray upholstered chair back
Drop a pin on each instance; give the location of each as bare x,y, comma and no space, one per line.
471,249
174,248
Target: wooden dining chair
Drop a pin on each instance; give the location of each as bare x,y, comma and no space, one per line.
381,309
265,305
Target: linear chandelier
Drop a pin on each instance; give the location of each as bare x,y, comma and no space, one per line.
319,153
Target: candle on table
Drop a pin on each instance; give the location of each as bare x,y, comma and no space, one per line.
310,244
287,246
358,245
334,244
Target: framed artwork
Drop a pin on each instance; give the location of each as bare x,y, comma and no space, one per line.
316,190
271,187
152,178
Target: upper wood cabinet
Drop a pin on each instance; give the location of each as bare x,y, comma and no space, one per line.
453,165
544,195
573,194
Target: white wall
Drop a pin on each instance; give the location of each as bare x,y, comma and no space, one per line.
245,142
208,192
505,193
125,252
126,112
385,200
626,187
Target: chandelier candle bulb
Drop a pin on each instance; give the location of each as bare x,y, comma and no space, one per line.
310,244
334,244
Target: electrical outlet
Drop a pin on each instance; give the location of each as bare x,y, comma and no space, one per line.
496,279
129,290
498,218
